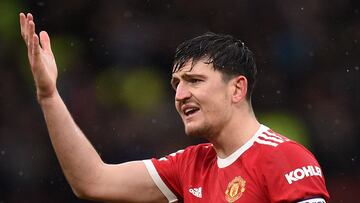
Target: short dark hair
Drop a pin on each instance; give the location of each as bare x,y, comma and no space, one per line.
228,55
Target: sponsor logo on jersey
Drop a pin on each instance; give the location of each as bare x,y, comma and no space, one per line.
196,192
303,172
235,189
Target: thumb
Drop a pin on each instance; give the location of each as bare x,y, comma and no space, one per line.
45,41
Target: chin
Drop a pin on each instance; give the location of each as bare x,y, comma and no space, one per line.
198,131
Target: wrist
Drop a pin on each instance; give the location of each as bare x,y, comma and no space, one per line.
48,98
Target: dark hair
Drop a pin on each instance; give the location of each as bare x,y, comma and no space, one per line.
227,54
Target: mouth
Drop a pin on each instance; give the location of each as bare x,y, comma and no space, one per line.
189,111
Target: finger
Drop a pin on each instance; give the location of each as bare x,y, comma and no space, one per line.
30,31
24,27
22,18
35,45
29,17
34,49
45,41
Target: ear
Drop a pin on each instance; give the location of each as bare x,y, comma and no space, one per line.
240,84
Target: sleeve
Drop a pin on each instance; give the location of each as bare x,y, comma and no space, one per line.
292,174
166,174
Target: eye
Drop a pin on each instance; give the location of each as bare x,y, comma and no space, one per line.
194,80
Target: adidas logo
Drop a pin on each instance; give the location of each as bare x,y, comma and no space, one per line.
196,192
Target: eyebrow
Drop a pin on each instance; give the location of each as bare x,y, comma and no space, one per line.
187,75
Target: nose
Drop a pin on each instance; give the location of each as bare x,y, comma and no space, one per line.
182,92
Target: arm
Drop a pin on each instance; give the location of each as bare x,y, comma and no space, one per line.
88,176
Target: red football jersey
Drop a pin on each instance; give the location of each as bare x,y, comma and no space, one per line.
267,168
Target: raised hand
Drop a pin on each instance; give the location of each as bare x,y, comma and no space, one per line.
41,58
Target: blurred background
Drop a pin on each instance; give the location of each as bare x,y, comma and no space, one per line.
115,59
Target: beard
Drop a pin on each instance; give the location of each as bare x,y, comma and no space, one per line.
203,131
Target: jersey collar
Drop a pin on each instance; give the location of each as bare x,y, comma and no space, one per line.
222,163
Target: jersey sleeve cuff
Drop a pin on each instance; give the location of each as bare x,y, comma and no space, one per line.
313,200
171,197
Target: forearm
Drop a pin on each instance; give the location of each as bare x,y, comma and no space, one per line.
79,160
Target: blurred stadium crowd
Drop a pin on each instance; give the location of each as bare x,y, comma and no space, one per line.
115,58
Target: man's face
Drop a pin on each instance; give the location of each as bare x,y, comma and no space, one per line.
202,99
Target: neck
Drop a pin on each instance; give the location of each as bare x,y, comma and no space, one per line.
235,134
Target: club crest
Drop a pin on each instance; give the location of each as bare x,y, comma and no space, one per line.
235,189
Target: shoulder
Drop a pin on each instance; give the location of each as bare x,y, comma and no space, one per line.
289,168
190,152
279,155
274,145
200,148
288,160
199,151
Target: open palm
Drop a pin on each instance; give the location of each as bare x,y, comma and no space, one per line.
41,58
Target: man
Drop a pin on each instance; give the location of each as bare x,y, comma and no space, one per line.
213,76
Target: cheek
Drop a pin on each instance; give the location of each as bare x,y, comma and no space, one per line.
213,110
219,107
177,106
